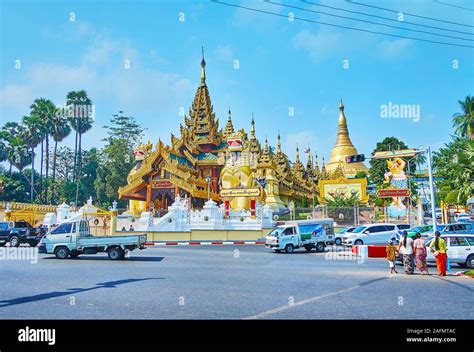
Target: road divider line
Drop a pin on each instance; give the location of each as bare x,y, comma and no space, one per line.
311,299
204,243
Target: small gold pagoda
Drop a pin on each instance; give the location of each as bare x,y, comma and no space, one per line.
342,149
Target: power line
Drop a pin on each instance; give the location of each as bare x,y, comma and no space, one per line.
409,14
339,26
365,21
452,5
387,18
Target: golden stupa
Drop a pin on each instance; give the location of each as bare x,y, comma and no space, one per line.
343,148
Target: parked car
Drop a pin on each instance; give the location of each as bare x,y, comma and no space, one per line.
460,250
373,234
462,217
307,234
18,232
338,236
456,228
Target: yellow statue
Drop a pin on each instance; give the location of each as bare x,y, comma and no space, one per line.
237,172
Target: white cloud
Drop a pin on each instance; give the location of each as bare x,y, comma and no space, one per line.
394,49
224,53
302,139
320,45
101,72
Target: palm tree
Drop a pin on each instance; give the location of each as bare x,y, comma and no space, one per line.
61,130
46,110
34,130
9,131
80,121
13,148
464,121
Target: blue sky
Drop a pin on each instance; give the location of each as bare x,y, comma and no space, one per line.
282,66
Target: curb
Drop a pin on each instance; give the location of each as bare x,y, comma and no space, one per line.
203,243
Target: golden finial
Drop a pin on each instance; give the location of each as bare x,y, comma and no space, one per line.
203,67
297,154
252,127
341,105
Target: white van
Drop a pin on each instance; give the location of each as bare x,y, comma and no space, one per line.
309,234
373,234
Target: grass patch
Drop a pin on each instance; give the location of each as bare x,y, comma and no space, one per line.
469,272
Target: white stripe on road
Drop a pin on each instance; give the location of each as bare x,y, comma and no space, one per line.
299,303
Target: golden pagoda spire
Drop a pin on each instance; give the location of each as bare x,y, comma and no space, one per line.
252,127
297,154
229,128
203,68
343,148
254,145
324,174
279,142
309,163
265,157
316,167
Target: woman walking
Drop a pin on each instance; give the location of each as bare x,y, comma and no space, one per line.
419,246
406,250
438,247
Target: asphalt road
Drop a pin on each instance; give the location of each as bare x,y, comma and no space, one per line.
226,282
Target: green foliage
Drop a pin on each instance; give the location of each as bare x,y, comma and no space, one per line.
339,199
455,165
463,122
117,158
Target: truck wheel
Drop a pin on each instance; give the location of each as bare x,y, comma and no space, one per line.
308,247
358,242
115,253
470,261
338,241
61,252
320,247
14,241
289,248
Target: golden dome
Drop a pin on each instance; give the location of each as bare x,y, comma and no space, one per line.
343,148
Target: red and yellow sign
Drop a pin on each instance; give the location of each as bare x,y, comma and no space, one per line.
161,184
240,192
390,193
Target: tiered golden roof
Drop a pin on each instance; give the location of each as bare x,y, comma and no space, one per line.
196,154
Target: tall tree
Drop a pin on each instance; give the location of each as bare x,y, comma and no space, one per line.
45,110
61,130
124,134
464,121
34,130
79,104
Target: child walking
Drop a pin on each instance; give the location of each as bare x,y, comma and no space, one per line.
391,256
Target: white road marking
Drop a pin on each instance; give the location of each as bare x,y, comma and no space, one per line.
299,303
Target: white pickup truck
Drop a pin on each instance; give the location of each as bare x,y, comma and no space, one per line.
72,238
309,234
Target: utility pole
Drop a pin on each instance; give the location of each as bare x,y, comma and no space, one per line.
432,192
